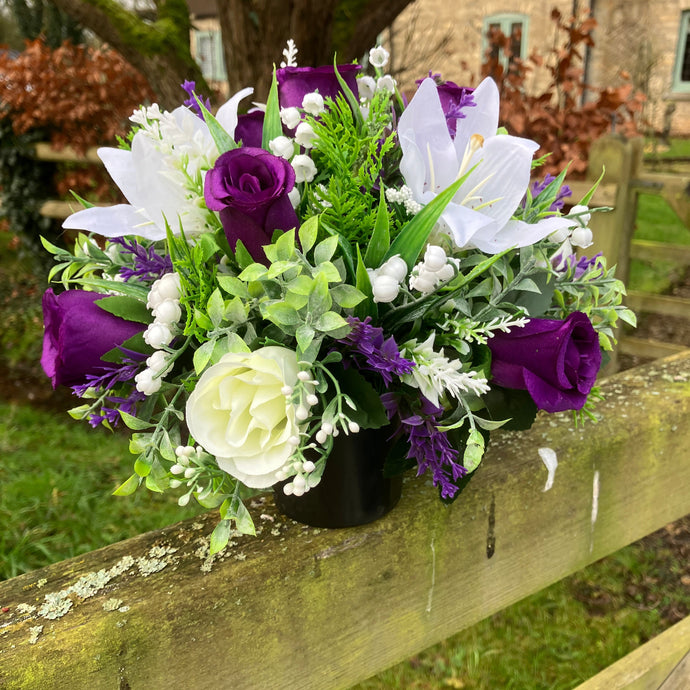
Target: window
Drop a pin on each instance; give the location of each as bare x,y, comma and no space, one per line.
681,70
209,55
513,28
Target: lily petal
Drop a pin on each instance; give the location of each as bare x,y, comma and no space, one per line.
114,221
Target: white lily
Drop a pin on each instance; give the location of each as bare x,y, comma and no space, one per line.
152,174
497,168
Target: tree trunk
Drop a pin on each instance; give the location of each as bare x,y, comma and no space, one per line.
255,33
159,50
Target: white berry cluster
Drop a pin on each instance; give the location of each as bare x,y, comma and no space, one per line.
304,136
578,234
403,196
164,303
189,466
387,278
436,268
368,86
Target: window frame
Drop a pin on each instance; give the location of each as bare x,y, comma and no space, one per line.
677,84
505,19
216,71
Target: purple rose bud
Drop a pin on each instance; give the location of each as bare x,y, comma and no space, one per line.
249,128
77,334
555,361
249,187
295,82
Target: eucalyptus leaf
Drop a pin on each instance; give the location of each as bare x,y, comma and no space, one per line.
128,487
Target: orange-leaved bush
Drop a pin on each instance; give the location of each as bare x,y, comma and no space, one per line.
561,119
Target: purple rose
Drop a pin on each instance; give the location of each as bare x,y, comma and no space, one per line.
250,128
249,187
555,361
294,83
77,334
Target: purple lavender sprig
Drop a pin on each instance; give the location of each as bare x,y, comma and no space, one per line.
191,102
371,352
537,187
428,446
148,264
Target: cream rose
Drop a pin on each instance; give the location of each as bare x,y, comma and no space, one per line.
238,413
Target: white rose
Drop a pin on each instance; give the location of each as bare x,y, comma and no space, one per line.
239,413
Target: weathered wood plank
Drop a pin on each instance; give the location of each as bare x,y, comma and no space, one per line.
646,250
303,608
605,194
658,304
679,678
45,152
60,209
647,347
650,666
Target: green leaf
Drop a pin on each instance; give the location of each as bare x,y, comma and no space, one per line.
308,233
233,286
128,308
132,422
330,321
369,411
363,283
320,298
215,308
130,289
127,488
282,314
285,246
347,296
474,451
224,142
273,127
202,355
379,243
279,267
242,256
253,272
305,335
410,242
351,98
325,249
220,536
588,197
142,466
329,271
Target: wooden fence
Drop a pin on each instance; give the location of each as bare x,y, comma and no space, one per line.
305,608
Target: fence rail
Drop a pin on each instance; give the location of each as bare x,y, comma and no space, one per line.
298,607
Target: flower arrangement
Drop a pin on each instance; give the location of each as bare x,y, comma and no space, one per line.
332,261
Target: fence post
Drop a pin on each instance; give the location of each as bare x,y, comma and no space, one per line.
621,158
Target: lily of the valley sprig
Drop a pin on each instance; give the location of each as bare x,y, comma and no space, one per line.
331,261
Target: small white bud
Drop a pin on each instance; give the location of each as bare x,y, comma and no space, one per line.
169,286
378,56
290,117
386,83
295,197
582,214
288,489
298,490
146,383
177,469
157,361
353,427
308,466
327,427
423,283
282,147
445,273
303,375
321,436
183,500
305,170
174,483
581,237
294,441
560,235
298,482
157,335
385,288
395,267
168,311
305,135
367,87
311,399
435,258
189,472
286,390
313,103
301,413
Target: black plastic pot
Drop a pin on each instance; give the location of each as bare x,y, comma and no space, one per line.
353,490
